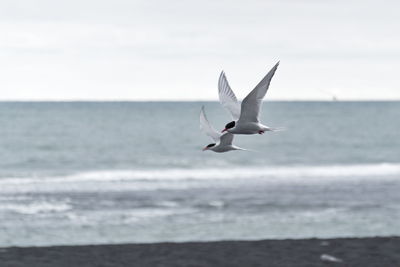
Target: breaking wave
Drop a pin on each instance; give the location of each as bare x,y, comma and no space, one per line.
181,179
335,171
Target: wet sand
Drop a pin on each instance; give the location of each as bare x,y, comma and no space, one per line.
307,252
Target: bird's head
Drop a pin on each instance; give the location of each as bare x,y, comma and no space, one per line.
229,126
208,147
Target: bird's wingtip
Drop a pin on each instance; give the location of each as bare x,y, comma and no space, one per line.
202,110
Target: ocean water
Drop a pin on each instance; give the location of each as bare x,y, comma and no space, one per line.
95,173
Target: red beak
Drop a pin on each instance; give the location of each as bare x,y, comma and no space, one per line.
224,130
204,149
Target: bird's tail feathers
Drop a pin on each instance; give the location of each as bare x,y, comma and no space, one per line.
277,129
245,149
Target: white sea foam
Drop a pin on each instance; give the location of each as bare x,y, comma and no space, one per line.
35,207
220,173
180,178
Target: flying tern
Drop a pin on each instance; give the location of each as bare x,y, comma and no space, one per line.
223,142
246,116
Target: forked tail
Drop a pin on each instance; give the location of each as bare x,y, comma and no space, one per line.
276,129
244,149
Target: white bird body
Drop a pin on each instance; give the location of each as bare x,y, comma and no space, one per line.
249,128
246,116
223,142
224,145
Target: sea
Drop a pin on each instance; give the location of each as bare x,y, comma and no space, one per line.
134,172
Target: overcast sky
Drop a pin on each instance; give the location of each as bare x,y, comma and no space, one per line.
175,50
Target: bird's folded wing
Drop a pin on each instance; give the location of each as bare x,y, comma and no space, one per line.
227,97
251,105
206,127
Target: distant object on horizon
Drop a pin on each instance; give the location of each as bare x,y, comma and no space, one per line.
223,142
333,96
246,116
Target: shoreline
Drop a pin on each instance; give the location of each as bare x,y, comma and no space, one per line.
375,251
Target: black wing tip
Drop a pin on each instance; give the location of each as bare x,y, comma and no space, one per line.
203,114
221,78
202,111
274,68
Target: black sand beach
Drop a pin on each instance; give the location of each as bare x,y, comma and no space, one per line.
352,252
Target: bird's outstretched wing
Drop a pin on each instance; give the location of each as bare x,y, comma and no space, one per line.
251,105
206,127
227,97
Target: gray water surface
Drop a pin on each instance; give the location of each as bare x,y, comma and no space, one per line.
85,173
